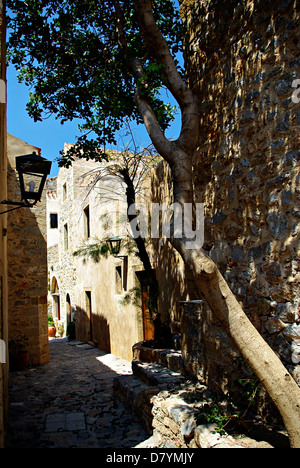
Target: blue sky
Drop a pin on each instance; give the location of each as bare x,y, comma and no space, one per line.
49,135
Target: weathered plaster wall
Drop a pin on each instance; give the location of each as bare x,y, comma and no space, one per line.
27,264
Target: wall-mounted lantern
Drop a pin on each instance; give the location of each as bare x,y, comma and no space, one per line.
33,171
114,245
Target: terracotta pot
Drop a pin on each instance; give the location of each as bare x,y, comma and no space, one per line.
18,361
51,331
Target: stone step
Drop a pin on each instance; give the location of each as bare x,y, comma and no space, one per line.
136,391
169,358
136,396
156,375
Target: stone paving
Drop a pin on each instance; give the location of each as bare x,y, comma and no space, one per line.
69,403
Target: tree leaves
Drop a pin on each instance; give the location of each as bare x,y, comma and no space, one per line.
69,53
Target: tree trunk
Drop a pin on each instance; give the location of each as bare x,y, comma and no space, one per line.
268,368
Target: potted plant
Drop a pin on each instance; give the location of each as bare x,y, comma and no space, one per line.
51,327
18,353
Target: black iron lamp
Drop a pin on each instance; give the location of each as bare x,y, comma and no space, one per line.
33,171
114,245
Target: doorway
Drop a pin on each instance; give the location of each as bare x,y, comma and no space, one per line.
69,309
148,324
89,311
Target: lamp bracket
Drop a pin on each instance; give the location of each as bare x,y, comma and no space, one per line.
17,205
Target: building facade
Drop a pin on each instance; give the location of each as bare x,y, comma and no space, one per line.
27,263
81,215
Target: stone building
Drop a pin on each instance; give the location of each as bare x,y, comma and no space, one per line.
3,232
27,263
243,62
82,214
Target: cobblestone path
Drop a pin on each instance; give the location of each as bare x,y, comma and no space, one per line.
69,403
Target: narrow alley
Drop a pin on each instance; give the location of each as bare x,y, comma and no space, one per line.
69,403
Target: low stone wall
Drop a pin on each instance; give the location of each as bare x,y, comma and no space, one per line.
175,425
209,355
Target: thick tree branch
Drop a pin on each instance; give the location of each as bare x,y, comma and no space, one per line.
159,49
161,143
157,136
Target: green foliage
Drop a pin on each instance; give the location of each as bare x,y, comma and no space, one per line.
221,417
70,55
249,389
93,251
248,386
134,296
50,320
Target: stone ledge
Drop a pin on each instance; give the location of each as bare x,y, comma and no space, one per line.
165,357
156,375
137,396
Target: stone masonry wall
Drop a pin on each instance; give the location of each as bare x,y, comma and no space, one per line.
27,264
242,60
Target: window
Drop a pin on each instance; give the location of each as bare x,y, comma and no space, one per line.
53,221
56,298
87,223
121,277
119,288
66,237
65,192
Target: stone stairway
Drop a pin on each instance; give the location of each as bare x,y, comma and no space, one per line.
147,380
159,396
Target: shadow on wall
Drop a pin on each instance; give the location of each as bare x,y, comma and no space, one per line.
96,330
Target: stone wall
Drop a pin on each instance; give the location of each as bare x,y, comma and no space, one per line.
242,60
3,232
27,261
